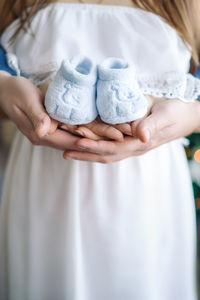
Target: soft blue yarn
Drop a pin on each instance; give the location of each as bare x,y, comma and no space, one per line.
71,96
119,98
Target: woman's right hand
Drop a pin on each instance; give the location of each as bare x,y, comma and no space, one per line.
22,102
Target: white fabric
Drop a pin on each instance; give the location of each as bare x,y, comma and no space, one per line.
72,230
170,85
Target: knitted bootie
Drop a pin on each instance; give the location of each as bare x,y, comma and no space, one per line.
119,99
71,96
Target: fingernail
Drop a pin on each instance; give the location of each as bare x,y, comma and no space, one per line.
127,129
80,132
63,127
147,135
120,139
128,132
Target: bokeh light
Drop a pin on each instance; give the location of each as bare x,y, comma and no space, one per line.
197,156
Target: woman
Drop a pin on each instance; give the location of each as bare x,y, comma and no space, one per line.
81,230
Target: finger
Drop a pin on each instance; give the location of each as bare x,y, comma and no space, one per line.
125,128
68,127
58,140
53,127
134,125
105,130
92,157
95,131
84,156
102,146
61,140
87,133
22,122
81,131
43,125
129,145
36,113
155,122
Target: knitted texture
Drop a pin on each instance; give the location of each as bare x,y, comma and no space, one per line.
119,98
71,96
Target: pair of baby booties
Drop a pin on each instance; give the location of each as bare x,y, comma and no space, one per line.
81,91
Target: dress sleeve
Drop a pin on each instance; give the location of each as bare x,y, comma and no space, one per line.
183,86
4,63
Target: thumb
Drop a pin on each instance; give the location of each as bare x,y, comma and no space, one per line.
43,125
38,116
154,123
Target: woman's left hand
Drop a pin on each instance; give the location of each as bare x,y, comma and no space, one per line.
167,121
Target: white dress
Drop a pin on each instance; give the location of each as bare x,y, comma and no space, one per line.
72,230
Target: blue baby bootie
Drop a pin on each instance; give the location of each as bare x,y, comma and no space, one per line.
119,99
71,96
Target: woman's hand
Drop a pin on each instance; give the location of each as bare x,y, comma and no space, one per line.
167,121
22,102
98,130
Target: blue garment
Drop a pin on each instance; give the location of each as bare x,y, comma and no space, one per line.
3,63
197,74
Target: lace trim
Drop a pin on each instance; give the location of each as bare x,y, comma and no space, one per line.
170,85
